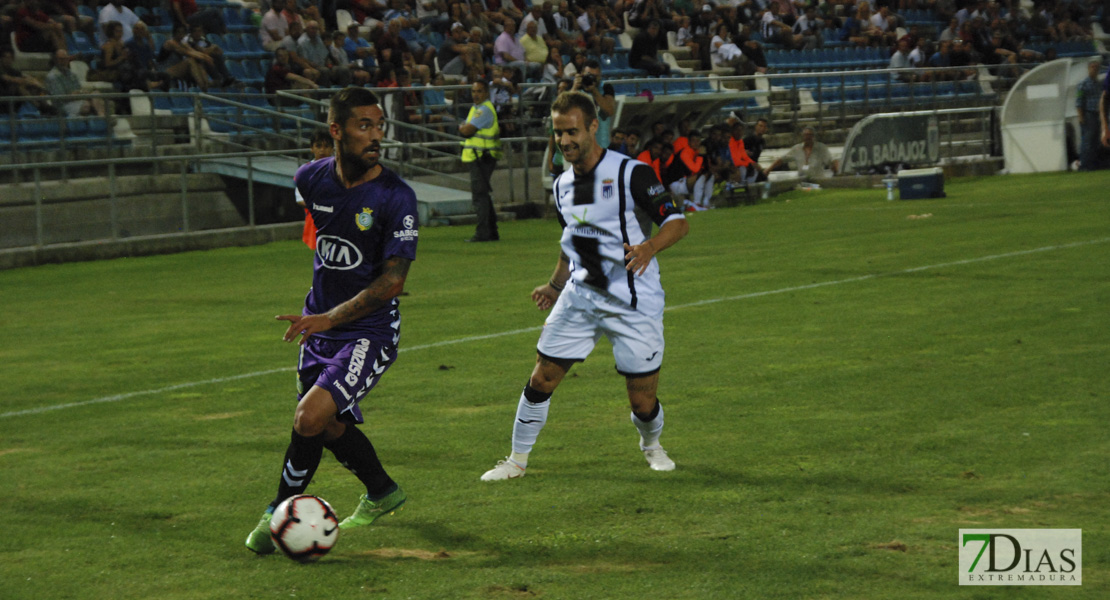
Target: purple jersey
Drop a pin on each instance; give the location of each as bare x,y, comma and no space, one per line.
358,229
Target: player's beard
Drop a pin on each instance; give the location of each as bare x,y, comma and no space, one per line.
356,162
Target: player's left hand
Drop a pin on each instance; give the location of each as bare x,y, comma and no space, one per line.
638,257
304,325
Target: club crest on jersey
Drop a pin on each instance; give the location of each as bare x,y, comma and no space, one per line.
607,189
365,219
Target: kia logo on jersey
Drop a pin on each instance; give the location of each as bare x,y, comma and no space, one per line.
337,253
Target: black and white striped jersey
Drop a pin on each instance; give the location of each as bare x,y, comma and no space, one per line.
596,212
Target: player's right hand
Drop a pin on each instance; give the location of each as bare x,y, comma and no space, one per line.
304,325
544,296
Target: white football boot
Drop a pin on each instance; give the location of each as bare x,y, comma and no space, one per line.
507,469
658,460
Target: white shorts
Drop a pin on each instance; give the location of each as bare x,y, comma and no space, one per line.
579,319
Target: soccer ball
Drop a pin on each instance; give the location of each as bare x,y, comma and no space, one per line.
304,527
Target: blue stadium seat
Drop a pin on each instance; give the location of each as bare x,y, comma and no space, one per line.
216,107
234,49
78,43
253,71
233,18
252,44
165,21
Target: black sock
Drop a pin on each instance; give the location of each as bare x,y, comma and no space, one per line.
651,415
301,459
354,451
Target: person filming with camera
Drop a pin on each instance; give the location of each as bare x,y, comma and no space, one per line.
588,81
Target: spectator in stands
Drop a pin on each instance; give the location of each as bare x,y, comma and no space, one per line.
282,76
433,15
1087,105
457,54
886,24
725,54
777,32
65,12
114,57
632,142
535,48
952,32
216,66
577,63
35,31
593,33
368,13
311,47
684,37
423,51
338,52
14,83
901,60
811,158
565,28
115,12
478,18
940,61
502,88
309,10
62,81
754,144
420,72
178,60
809,27
274,28
507,51
645,50
360,53
143,68
604,96
186,12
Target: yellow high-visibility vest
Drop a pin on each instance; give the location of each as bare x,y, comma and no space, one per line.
485,140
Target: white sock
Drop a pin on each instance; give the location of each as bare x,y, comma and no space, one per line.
649,430
530,419
707,190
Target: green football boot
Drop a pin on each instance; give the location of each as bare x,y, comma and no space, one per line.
259,540
369,511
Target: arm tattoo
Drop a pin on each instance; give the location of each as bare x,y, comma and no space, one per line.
376,295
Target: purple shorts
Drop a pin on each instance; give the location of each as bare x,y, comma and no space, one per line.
348,369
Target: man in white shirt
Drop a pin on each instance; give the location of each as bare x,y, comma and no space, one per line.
116,11
274,27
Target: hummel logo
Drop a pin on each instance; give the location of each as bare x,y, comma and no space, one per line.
326,209
652,355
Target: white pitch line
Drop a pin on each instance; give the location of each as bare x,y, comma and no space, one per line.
180,386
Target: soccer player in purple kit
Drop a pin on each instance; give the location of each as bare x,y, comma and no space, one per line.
350,325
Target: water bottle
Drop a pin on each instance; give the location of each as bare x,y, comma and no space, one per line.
767,189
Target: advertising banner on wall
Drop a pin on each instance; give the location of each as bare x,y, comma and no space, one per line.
880,141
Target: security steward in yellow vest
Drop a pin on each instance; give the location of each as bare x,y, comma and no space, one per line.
481,151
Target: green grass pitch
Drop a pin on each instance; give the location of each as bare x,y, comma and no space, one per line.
848,382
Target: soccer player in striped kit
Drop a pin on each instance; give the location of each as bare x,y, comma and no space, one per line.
606,282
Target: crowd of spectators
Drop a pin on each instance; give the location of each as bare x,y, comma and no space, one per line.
467,39
404,43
